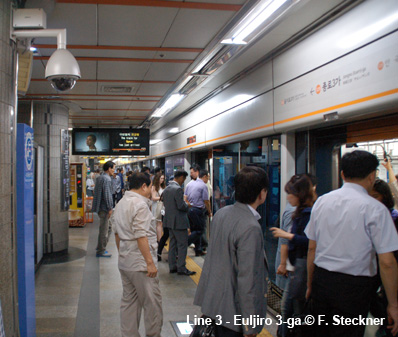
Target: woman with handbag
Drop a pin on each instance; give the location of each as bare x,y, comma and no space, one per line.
301,193
158,186
378,305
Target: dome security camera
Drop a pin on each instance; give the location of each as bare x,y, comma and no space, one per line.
62,70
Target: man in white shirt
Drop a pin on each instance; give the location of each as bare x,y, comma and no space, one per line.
135,234
346,230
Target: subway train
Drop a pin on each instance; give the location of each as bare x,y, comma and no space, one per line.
310,82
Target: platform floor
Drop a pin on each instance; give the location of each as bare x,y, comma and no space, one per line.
79,295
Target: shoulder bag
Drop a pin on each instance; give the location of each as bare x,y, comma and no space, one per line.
204,330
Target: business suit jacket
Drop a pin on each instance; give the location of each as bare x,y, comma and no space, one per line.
176,209
234,276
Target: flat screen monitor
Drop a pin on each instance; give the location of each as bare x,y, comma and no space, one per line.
91,142
132,142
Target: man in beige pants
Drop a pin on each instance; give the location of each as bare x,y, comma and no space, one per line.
135,233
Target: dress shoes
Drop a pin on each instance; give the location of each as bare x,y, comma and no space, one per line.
172,271
200,253
186,272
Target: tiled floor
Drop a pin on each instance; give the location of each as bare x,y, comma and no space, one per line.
58,289
58,292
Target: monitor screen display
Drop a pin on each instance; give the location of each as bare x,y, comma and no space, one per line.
132,142
91,142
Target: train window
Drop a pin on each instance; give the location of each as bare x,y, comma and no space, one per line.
264,153
382,149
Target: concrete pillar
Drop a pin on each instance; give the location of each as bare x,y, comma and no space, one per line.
7,175
48,120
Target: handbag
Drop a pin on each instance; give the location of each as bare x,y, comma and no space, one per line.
205,330
158,211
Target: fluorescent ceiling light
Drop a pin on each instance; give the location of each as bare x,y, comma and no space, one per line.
174,130
166,107
267,8
154,141
367,32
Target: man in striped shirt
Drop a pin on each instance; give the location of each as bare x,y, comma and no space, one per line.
103,206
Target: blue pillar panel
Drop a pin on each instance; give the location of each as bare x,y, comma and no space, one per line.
25,231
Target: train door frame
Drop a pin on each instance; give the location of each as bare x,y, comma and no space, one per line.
325,145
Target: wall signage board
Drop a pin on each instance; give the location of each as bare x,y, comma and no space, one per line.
25,231
366,74
191,140
65,175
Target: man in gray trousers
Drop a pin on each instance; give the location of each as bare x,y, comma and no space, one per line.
233,286
176,220
103,205
135,236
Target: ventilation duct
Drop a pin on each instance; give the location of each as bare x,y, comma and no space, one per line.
25,63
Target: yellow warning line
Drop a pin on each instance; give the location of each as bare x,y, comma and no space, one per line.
192,265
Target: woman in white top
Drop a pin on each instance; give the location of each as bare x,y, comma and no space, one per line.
157,189
90,185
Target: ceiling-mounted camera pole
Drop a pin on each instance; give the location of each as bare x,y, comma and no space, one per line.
60,34
62,69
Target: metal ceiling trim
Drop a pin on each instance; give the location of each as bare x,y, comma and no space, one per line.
158,3
120,59
114,81
91,47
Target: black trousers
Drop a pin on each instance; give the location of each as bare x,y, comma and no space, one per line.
163,240
337,295
197,223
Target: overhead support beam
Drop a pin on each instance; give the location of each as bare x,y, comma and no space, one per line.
107,117
136,110
93,95
158,3
112,81
104,124
162,49
120,59
90,100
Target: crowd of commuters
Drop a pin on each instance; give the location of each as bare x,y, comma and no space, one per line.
337,254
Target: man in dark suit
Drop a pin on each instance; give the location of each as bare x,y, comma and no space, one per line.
103,206
233,285
176,220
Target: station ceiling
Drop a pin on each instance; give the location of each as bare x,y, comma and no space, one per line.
133,54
